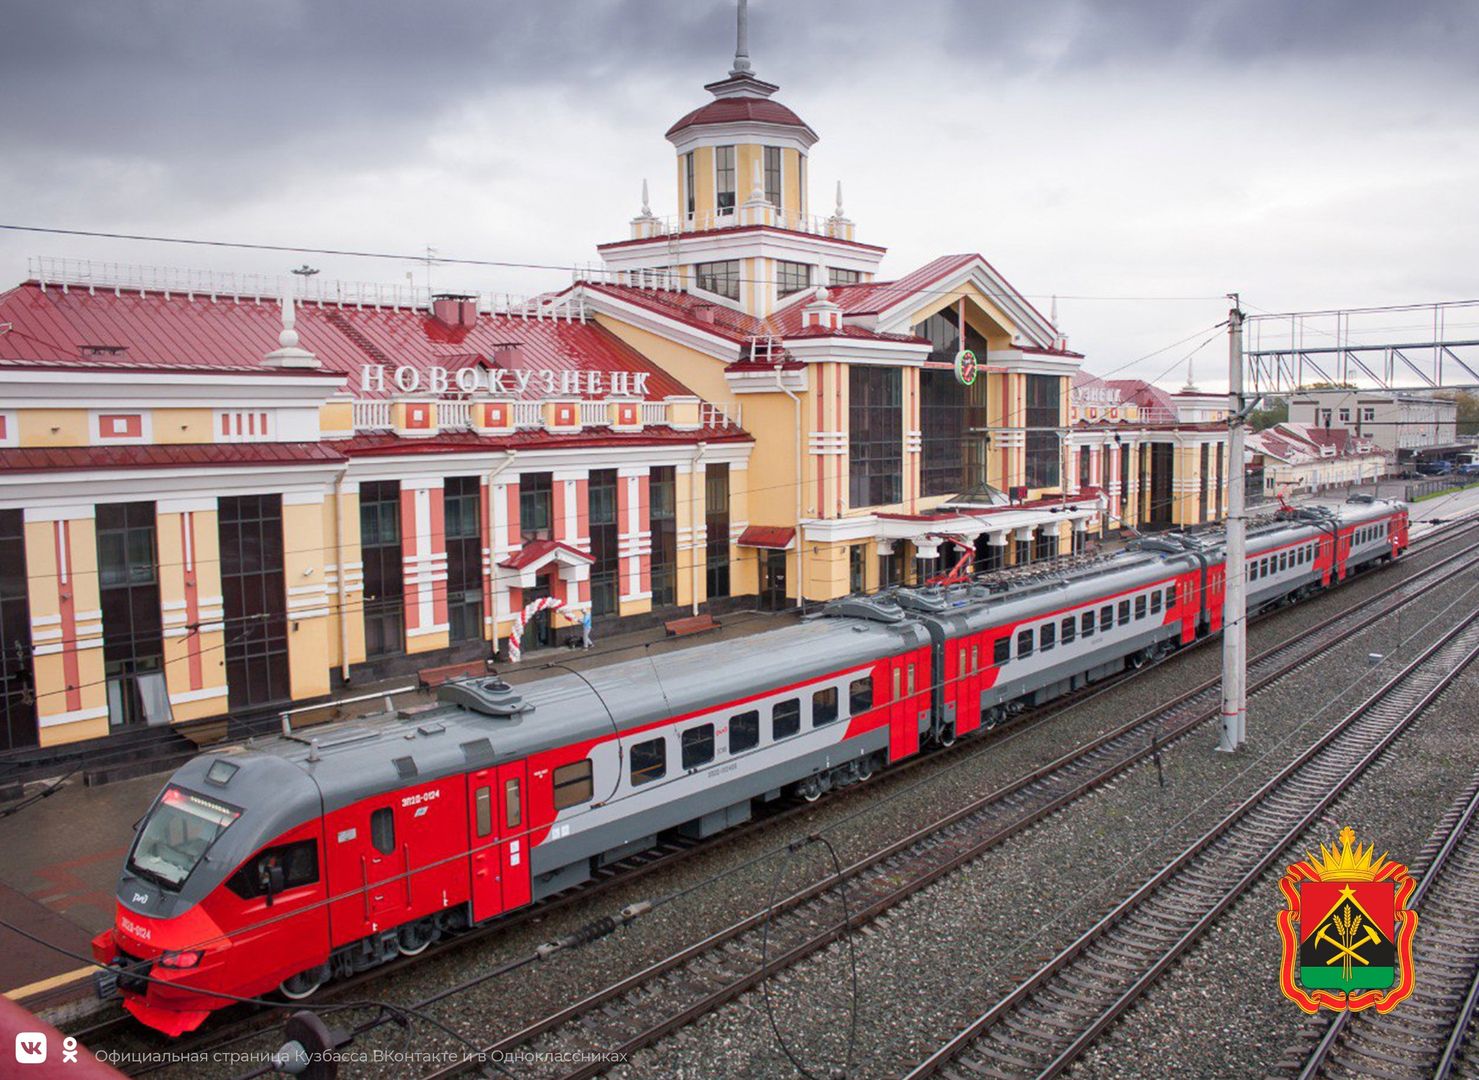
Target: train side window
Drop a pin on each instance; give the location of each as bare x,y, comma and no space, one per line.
1024,643
483,805
1283,562
1253,571
898,675
299,864
909,679
1124,612
649,761
860,695
1086,625
744,731
1106,617
382,830
573,784
824,706
697,745
1001,651
1155,602
1046,635
512,810
1068,629
785,718
1170,597
975,657
1140,607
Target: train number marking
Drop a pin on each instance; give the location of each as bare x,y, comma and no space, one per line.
130,927
421,797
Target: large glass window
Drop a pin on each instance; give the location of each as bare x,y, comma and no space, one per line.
663,511
133,633
716,524
719,277
177,834
688,184
953,422
463,501
791,277
875,421
838,276
773,175
536,506
1043,421
602,494
249,528
385,583
724,177
17,686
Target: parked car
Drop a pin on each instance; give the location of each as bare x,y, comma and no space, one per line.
1435,468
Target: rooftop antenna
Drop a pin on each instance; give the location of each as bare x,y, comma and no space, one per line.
742,40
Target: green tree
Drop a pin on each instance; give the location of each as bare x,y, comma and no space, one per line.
1274,411
1468,410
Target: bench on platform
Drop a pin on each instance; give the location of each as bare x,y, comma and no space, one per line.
434,676
694,624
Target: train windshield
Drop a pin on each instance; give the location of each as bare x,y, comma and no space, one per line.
177,834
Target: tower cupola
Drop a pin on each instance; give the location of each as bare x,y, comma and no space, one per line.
721,145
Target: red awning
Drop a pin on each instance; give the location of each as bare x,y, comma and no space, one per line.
767,536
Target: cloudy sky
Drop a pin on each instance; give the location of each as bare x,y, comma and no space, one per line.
1308,153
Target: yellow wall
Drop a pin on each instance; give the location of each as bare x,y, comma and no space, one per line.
303,568
53,427
46,591
184,426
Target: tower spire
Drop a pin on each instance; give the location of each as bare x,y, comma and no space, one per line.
742,40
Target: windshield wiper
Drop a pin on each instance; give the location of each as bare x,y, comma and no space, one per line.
154,876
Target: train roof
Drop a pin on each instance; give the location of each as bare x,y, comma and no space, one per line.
484,721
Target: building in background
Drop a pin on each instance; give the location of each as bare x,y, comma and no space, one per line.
1294,458
1404,425
1160,457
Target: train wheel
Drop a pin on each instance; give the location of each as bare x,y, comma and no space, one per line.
865,768
302,985
414,939
809,789
947,735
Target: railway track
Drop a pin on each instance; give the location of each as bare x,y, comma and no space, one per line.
645,1007
237,1025
1049,1019
1427,1035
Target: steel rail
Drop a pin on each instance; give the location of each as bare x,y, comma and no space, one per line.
1134,749
1158,940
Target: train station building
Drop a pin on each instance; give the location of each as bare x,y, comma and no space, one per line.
221,495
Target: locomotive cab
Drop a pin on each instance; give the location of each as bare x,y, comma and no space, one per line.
206,865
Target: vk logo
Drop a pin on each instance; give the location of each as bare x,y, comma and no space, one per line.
30,1047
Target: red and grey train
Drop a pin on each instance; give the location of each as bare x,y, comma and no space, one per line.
302,858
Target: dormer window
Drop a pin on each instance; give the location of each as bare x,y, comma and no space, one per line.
724,177
719,277
688,181
791,277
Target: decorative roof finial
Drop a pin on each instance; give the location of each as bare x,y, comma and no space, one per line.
646,209
288,354
1053,312
288,339
839,200
1191,376
742,41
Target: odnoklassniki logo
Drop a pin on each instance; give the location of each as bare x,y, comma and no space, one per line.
1347,931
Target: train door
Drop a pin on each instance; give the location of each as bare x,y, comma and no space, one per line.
513,783
366,869
903,728
497,806
482,826
968,688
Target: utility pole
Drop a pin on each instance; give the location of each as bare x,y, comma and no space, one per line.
1235,594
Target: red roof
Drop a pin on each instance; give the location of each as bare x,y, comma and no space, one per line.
738,110
766,536
536,550
873,297
185,455
51,327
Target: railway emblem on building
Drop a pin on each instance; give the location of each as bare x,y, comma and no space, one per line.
965,367
1346,931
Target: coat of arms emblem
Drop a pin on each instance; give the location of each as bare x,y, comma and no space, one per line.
1346,931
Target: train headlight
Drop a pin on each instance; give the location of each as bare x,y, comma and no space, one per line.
181,959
